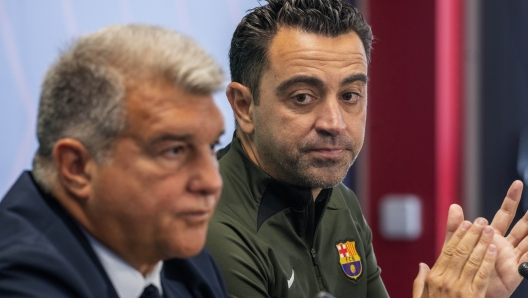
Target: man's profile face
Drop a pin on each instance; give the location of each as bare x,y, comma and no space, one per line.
157,192
310,121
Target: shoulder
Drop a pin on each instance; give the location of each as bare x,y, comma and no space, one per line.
234,244
228,236
246,260
30,265
40,255
343,196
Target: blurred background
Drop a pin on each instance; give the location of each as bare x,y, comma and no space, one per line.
448,104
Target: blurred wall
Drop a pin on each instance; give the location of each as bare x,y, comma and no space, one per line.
504,104
489,87
401,126
33,32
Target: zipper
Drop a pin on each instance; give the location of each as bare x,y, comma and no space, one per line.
314,256
316,266
310,233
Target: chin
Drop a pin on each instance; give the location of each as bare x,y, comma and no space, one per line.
189,253
188,246
325,178
188,250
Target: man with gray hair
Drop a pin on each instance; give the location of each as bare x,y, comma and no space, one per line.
125,179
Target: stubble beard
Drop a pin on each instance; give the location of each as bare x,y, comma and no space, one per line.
296,166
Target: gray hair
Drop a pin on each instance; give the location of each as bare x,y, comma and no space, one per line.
83,92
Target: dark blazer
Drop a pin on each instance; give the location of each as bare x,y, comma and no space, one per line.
43,253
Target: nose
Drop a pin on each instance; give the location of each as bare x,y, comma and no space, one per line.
330,118
206,178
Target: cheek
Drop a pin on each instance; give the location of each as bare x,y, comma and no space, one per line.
288,126
167,195
356,121
111,186
356,130
143,193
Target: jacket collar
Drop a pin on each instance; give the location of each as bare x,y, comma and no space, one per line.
271,195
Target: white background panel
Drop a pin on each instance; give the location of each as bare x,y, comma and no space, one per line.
33,32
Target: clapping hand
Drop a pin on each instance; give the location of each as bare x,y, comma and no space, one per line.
509,252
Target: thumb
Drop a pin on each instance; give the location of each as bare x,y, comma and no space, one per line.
419,288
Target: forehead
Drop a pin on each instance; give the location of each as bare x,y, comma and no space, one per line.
293,50
156,107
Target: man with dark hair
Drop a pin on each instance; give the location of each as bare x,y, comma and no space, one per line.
125,179
286,226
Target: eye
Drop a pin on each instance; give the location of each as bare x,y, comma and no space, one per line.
351,97
303,98
173,151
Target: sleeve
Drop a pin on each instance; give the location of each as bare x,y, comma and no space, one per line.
243,262
375,286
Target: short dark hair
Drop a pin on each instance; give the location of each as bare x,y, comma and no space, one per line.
251,40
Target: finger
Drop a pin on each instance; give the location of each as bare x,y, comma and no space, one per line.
524,258
449,249
503,218
482,278
465,247
518,236
519,233
419,281
477,256
455,217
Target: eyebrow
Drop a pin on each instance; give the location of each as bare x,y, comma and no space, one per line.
171,137
312,81
354,78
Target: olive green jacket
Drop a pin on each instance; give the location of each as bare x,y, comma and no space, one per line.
272,240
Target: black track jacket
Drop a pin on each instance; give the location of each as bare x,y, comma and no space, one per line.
273,240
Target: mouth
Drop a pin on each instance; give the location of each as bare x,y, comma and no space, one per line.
328,152
196,216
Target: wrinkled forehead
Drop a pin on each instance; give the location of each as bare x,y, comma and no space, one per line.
291,43
154,105
294,52
292,35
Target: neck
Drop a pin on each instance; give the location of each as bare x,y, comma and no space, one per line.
146,269
248,147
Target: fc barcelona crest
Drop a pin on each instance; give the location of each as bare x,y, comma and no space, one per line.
349,259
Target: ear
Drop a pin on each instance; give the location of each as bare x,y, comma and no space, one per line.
73,161
242,105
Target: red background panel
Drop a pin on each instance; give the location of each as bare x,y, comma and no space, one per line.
413,125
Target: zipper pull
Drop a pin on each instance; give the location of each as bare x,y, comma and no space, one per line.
314,256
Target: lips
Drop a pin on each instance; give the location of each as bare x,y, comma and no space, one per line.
196,216
329,152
